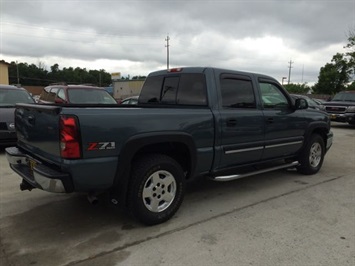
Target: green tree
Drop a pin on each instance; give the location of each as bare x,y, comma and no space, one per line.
297,88
337,75
351,87
334,76
39,76
351,50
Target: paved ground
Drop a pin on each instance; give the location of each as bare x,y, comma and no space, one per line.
279,218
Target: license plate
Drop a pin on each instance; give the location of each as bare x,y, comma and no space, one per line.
333,116
32,164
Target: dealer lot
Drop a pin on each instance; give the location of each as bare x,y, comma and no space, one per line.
279,218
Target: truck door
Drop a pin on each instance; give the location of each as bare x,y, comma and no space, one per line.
241,123
284,127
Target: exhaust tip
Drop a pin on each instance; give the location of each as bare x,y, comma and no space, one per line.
92,199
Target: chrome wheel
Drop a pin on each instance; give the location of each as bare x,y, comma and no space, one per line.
156,189
312,155
315,155
159,191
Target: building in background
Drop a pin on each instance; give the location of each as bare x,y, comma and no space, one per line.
4,72
126,88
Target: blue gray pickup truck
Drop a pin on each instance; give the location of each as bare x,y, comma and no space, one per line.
189,122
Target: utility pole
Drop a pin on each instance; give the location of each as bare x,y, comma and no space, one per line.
289,71
167,51
18,76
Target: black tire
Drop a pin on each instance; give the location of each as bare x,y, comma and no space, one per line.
312,156
157,189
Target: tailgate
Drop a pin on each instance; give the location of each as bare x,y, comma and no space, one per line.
37,128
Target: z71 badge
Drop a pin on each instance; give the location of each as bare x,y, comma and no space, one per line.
94,146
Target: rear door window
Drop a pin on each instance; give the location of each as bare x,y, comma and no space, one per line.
237,92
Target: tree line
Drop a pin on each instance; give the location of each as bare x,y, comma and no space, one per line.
335,76
37,75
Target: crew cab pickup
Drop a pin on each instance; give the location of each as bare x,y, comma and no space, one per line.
342,107
189,122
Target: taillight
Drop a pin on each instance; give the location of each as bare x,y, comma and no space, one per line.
173,70
69,137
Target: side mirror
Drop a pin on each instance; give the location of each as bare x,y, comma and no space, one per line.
301,103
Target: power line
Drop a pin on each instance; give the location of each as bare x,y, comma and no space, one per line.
153,42
78,32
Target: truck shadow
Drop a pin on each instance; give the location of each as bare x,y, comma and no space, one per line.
82,228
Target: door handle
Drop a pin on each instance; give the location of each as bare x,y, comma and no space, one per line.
270,120
231,122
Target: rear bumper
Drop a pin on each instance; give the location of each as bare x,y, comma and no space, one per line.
37,174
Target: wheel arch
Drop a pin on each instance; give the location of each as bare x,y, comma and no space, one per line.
178,145
319,128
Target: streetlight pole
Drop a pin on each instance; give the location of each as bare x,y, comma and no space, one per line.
283,78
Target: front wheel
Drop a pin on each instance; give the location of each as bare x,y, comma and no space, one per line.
156,190
311,158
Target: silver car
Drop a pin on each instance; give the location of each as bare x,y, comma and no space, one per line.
9,97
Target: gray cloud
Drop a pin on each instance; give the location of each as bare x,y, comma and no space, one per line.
259,35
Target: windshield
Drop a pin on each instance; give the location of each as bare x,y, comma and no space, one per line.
312,102
10,97
90,96
344,97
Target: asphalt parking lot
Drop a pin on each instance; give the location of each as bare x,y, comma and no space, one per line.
279,218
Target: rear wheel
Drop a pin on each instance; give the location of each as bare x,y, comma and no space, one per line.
311,158
156,190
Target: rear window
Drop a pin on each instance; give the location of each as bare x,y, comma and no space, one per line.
183,89
90,96
11,97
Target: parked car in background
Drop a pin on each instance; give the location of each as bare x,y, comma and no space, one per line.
320,101
9,97
342,107
311,102
36,98
130,100
75,94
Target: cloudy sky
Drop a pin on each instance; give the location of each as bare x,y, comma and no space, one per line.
130,36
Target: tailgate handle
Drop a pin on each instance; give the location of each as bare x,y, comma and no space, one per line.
31,119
